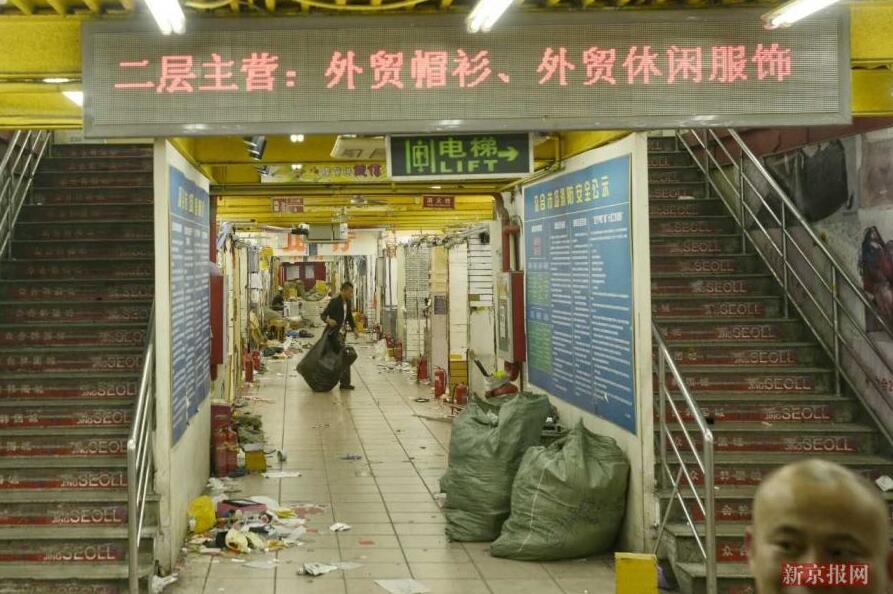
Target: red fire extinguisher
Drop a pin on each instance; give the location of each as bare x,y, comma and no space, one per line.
439,382
460,396
398,351
221,453
390,341
422,370
248,364
255,357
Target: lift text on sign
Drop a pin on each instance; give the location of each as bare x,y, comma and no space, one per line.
424,73
479,156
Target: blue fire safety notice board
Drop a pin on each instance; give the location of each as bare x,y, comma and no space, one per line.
190,299
579,289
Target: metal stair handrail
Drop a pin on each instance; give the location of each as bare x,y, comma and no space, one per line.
17,168
139,457
743,188
703,460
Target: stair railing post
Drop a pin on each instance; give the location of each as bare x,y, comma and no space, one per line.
742,196
710,514
835,313
784,257
664,432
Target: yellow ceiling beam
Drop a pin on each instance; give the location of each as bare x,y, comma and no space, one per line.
94,5
574,143
40,46
873,92
871,33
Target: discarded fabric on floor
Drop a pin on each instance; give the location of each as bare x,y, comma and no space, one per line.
568,499
488,440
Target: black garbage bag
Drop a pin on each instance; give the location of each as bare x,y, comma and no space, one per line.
321,366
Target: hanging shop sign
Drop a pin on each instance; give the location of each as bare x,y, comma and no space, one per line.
425,73
445,202
465,156
288,204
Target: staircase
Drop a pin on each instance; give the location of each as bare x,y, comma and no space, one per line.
75,301
765,385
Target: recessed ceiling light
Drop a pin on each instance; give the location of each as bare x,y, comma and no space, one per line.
56,81
297,166
76,97
297,138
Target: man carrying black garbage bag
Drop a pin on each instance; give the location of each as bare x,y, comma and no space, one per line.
338,315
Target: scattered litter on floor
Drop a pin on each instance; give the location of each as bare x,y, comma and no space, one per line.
423,400
403,586
885,483
351,457
339,527
347,565
366,542
158,584
317,569
443,419
282,474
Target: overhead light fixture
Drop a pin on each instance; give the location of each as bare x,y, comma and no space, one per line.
485,15
796,10
297,166
297,138
169,16
435,187
56,81
76,97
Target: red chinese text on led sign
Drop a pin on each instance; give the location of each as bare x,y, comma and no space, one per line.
262,71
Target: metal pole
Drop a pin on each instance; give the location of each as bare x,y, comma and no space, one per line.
836,321
710,513
784,258
132,520
664,433
742,196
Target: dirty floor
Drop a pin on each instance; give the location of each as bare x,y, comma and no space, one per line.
387,498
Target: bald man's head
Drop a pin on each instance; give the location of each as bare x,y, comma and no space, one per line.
818,512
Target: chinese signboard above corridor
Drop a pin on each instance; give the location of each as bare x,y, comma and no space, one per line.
425,73
288,204
470,156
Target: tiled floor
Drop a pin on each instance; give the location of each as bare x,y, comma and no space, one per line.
387,498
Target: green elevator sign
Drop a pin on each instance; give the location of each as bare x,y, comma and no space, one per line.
466,156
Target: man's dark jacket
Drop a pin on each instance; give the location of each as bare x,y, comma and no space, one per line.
335,311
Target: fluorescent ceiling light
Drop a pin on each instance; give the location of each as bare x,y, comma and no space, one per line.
485,14
297,166
790,12
297,138
76,97
56,81
169,16
436,187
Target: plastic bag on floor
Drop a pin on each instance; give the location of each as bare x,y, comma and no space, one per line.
321,366
568,500
488,440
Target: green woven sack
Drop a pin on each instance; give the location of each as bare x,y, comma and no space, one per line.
487,443
568,500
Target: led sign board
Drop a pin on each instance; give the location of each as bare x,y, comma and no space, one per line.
412,74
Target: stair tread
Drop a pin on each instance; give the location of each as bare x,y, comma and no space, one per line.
84,348
758,398
74,376
77,172
79,403
74,241
49,496
93,188
735,492
712,297
72,431
782,458
710,276
761,321
44,303
680,344
111,570
66,533
67,260
749,427
750,369
723,570
66,462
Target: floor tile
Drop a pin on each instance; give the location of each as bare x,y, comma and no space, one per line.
426,571
305,585
518,586
241,586
454,555
586,586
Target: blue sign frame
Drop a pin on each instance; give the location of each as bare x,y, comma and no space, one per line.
579,289
190,299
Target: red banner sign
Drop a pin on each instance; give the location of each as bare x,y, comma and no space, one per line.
447,202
